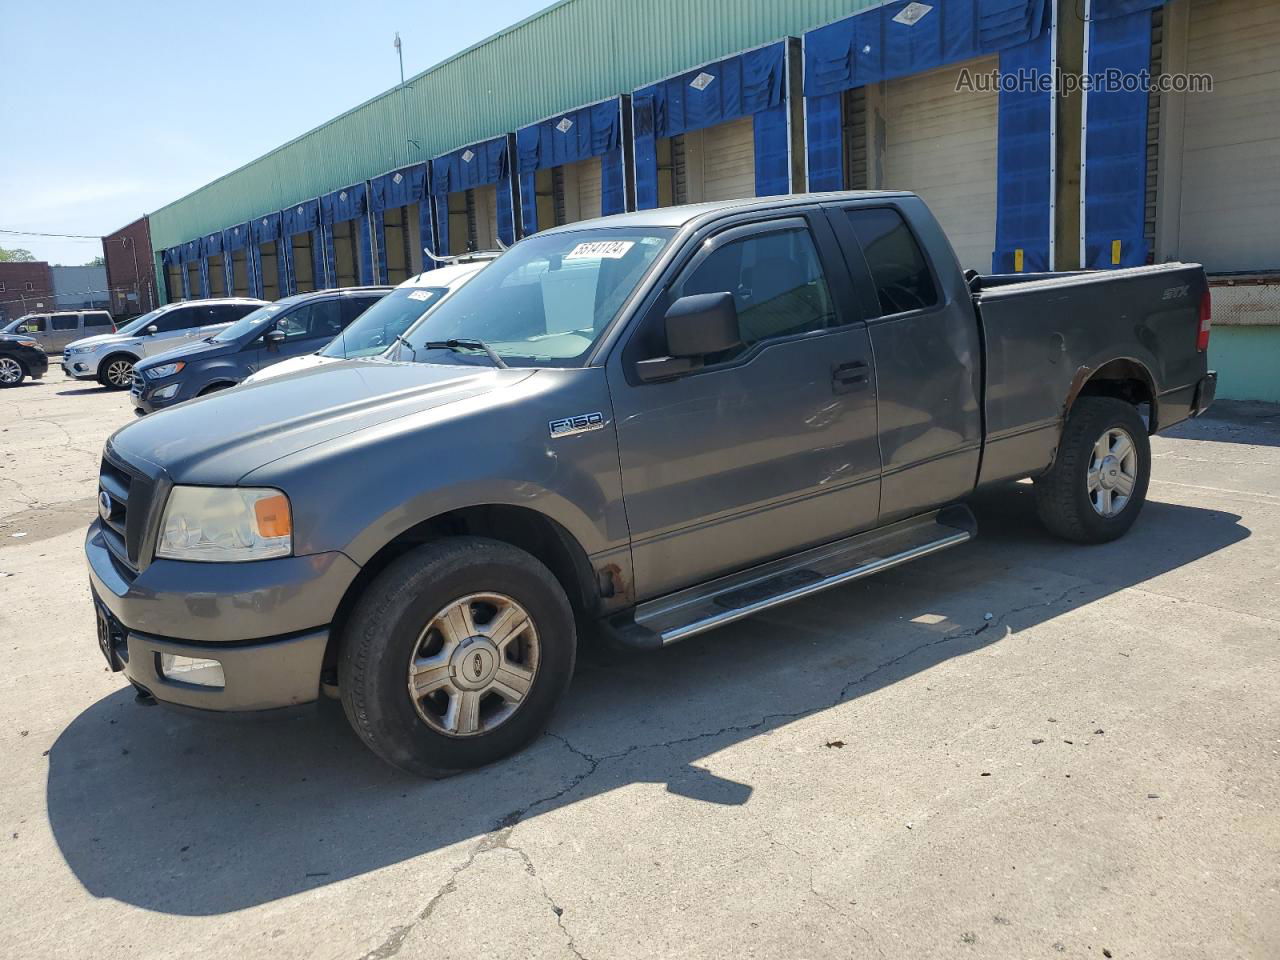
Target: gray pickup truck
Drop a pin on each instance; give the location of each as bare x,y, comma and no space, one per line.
635,429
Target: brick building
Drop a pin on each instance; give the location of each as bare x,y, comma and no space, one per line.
131,274
24,288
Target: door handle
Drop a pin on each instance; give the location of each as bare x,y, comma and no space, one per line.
846,377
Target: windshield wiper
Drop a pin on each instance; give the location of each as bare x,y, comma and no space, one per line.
471,344
412,349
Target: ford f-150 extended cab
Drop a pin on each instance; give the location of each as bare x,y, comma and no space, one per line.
636,428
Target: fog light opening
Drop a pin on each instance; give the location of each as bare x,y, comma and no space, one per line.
193,670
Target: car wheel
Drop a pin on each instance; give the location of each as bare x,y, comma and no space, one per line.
116,372
456,655
1098,483
11,371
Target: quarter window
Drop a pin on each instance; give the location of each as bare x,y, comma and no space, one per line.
97,320
776,281
898,267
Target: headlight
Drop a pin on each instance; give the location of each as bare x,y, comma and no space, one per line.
227,524
165,370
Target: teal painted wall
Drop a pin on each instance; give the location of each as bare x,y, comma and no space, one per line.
1248,362
572,53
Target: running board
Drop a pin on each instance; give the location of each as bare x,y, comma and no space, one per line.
709,605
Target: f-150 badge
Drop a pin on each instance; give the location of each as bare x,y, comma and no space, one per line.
584,422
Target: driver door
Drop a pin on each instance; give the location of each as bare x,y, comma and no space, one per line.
763,451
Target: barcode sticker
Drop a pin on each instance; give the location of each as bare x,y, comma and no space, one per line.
600,250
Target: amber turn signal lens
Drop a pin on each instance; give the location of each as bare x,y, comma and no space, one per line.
272,514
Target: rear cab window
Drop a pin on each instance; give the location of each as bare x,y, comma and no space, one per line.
898,266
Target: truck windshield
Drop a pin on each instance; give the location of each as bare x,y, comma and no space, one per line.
545,302
377,328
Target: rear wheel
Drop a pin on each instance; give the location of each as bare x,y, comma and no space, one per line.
1098,483
11,371
456,655
116,372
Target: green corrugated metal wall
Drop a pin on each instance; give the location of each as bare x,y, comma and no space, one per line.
572,53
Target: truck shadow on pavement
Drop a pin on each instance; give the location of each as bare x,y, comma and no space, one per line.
195,816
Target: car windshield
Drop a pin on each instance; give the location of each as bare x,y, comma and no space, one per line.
251,322
377,328
545,302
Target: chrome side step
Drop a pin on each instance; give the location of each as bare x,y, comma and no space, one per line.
713,604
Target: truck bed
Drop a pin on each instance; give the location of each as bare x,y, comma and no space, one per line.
1045,335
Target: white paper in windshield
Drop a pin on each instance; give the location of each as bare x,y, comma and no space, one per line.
420,295
600,250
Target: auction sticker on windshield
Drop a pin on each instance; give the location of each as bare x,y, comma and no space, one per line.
420,295
600,250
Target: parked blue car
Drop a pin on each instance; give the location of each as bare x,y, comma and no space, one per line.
287,328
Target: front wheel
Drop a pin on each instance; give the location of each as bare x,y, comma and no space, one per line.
1098,483
456,655
11,372
116,372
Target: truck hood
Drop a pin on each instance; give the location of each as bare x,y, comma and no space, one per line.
219,438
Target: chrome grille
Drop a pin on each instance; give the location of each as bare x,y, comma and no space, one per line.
123,502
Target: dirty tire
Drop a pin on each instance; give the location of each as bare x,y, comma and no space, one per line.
383,632
1062,495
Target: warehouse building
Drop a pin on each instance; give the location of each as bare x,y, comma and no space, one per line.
591,107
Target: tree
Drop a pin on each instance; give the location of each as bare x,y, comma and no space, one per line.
96,262
16,255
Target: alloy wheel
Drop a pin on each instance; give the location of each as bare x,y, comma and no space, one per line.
1113,472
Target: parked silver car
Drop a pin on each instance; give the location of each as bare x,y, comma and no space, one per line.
56,329
109,358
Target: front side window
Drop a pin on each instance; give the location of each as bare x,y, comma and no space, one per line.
181,319
777,284
34,325
320,319
547,300
897,264
255,321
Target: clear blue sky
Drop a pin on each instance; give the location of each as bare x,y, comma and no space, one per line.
111,110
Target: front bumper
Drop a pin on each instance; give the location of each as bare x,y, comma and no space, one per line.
37,363
266,623
143,394
81,366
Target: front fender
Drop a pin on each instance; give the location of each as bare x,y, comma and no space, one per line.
358,492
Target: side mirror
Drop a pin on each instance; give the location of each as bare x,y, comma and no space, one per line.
152,330
273,339
697,326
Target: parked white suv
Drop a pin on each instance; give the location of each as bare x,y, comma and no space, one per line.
374,332
109,358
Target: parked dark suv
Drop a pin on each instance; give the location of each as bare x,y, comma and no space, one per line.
20,357
287,328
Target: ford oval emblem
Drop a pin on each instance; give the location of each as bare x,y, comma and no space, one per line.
104,505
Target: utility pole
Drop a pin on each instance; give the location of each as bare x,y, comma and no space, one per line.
404,110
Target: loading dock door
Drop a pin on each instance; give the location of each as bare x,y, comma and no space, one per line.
217,276
941,144
715,163
569,193
473,220
239,273
269,254
403,244
346,254
173,282
193,278
302,256
1231,140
